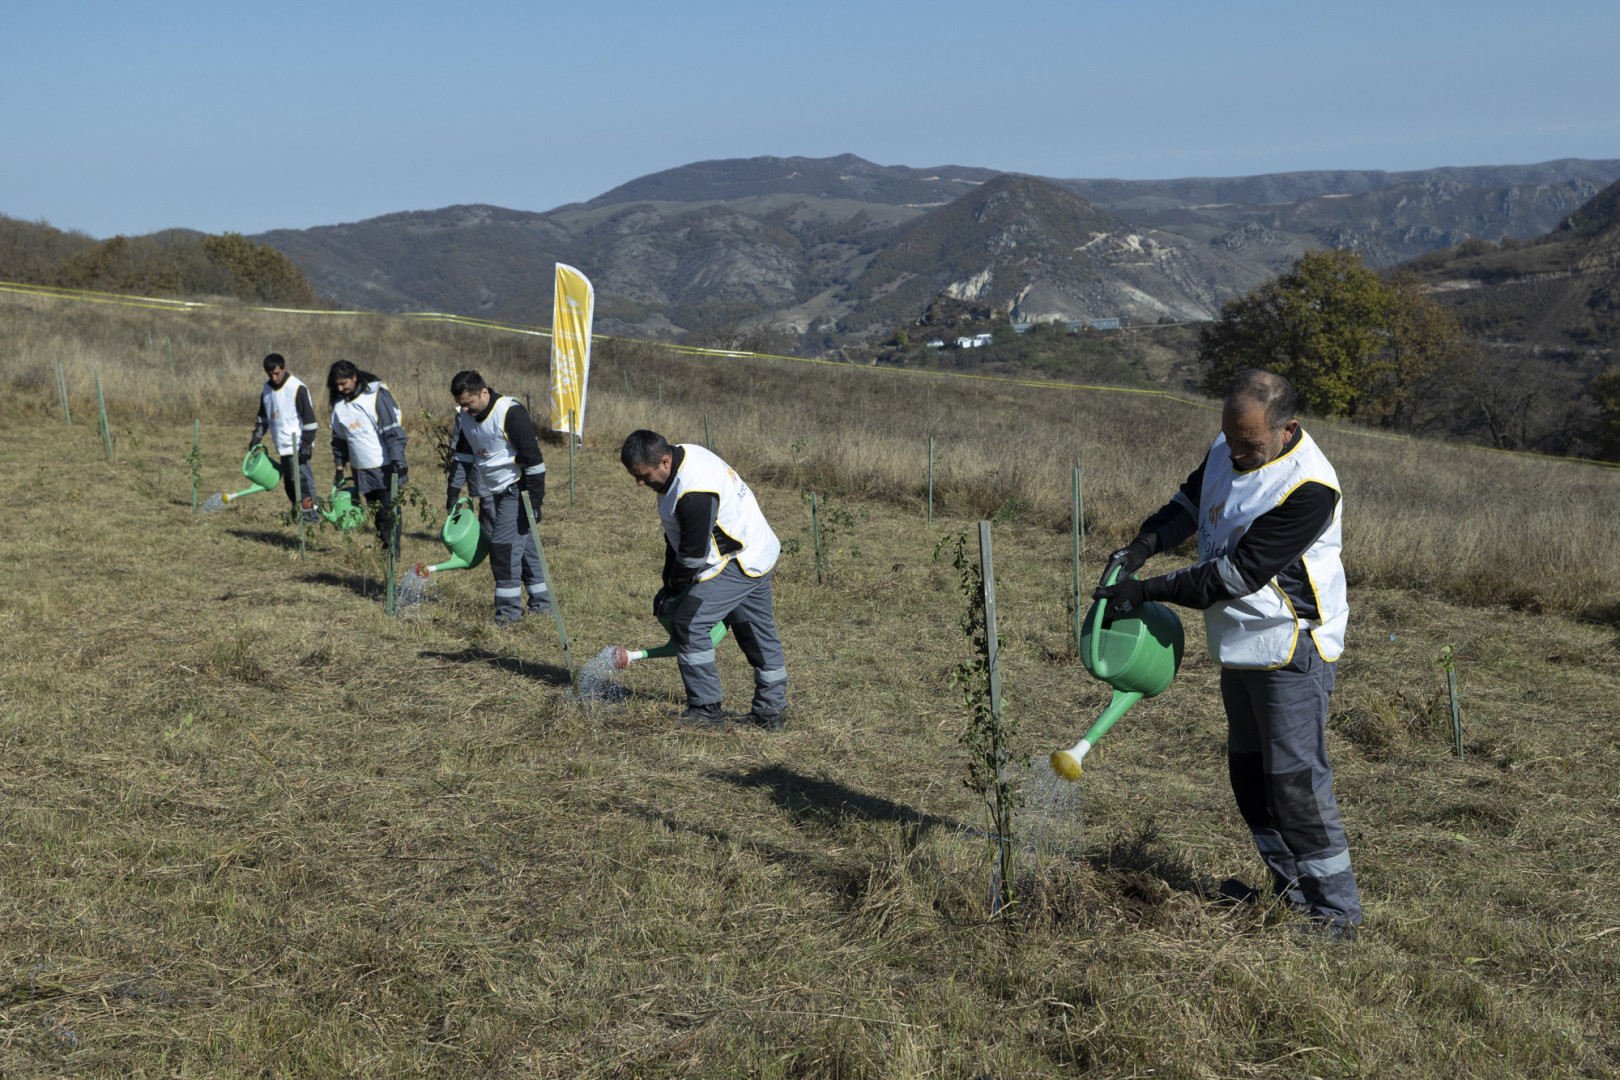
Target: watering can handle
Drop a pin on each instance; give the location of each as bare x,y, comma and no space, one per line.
1110,576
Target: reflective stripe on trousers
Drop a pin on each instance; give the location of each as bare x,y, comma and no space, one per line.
512,555
1277,757
744,605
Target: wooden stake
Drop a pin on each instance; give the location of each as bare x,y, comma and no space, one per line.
930,481
571,435
551,590
815,534
196,455
61,386
298,501
1074,528
101,403
1001,891
1080,500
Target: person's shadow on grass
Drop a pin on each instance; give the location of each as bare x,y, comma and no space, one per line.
550,674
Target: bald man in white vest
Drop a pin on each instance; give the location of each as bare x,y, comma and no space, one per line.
719,555
1266,508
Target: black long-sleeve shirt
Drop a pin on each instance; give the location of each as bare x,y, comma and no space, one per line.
696,513
1271,546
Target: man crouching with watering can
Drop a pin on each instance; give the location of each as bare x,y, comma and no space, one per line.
287,415
367,434
494,451
1266,507
719,554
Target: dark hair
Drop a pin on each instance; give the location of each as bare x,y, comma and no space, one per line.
467,382
344,369
643,447
273,361
1267,391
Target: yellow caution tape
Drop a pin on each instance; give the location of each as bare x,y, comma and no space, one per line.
164,303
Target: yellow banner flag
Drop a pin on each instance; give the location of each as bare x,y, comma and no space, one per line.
570,349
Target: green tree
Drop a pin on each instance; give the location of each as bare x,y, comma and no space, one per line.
1605,391
1352,342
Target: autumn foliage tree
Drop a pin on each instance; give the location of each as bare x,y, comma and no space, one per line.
1353,343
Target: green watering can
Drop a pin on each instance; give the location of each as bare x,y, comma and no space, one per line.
1137,654
258,468
623,656
342,509
466,541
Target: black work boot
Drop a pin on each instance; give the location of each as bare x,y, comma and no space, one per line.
1238,891
767,721
708,716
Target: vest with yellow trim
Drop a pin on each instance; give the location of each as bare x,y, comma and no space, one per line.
1260,631
750,539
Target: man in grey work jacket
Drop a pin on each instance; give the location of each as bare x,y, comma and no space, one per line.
494,452
287,415
719,554
1266,507
366,433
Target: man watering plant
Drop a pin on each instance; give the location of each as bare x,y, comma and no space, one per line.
719,554
287,415
495,453
1266,507
366,434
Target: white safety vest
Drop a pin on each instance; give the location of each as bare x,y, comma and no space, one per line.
1259,631
492,451
356,421
286,430
739,516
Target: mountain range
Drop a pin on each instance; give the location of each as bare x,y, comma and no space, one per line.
835,250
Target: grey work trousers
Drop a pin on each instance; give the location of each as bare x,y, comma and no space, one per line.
513,558
743,603
305,477
1276,748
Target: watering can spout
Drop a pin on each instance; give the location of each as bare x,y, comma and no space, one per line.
1066,763
623,656
467,543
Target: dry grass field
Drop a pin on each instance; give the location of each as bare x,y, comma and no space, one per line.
249,826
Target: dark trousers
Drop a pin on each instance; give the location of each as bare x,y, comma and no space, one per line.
373,486
305,477
1277,756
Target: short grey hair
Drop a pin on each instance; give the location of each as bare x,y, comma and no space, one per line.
1267,391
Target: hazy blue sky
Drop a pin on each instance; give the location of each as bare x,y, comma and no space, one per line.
128,118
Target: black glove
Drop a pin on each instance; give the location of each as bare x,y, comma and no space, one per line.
1129,559
450,501
660,598
1124,596
337,480
255,441
305,454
